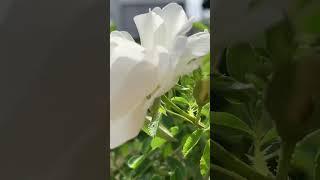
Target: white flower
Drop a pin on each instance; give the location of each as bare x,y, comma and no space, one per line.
141,73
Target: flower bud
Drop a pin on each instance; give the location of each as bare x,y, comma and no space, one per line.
201,92
293,98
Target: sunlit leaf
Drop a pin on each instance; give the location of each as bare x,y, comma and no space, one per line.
205,160
191,142
135,161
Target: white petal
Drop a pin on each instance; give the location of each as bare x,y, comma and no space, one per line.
140,82
179,46
175,20
121,34
197,46
120,69
122,46
127,127
147,24
124,55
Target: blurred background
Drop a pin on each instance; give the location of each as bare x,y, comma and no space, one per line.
123,11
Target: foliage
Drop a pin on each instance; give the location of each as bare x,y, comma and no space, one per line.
266,102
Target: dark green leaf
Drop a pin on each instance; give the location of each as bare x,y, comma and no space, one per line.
223,119
270,136
231,89
179,170
241,60
317,166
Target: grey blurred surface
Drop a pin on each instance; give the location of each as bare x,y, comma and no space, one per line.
53,90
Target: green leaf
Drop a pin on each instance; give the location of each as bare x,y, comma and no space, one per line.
167,150
227,120
162,131
231,89
200,26
241,60
269,137
156,117
156,177
154,124
179,171
205,67
174,130
180,101
157,142
317,166
135,161
201,92
258,160
191,142
205,160
230,161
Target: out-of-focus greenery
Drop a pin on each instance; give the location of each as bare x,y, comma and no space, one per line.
266,102
174,144
113,27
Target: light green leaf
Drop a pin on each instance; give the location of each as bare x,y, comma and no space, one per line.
167,150
154,124
205,67
191,142
162,131
174,130
200,26
157,142
135,161
180,101
205,160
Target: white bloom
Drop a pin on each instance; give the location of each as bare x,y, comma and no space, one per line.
141,73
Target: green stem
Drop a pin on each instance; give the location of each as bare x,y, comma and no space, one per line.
220,170
287,150
230,161
177,109
199,113
179,116
155,108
